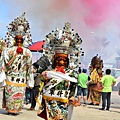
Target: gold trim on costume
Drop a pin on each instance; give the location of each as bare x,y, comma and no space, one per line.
15,84
54,98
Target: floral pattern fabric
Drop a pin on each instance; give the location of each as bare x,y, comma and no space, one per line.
14,97
54,108
18,71
94,95
18,66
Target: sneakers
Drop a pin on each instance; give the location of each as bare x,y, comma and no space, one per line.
91,103
84,104
101,109
107,109
31,109
96,104
104,109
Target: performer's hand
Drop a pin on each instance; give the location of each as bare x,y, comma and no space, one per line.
31,87
87,83
12,59
15,54
4,86
44,74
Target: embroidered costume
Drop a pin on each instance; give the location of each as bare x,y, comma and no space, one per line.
62,48
94,86
17,59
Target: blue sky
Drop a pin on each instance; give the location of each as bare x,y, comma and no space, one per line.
45,15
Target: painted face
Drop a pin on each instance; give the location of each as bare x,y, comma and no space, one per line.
19,40
61,60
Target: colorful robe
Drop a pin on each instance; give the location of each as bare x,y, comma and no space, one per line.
55,103
94,93
18,73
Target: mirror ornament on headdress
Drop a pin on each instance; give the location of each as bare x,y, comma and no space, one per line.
65,41
19,26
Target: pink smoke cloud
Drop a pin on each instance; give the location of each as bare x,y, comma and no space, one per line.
93,13
99,11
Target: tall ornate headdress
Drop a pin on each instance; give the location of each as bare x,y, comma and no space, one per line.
65,41
96,63
19,26
2,44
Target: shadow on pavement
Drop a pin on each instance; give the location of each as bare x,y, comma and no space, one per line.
93,107
116,107
114,111
4,112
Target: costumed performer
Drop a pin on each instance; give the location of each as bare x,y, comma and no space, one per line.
62,47
17,60
94,85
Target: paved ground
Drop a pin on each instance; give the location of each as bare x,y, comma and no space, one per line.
80,113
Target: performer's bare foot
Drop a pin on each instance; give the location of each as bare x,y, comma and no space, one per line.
77,104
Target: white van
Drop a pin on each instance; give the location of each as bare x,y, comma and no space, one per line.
116,73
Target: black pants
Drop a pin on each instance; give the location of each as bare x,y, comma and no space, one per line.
27,94
34,94
106,96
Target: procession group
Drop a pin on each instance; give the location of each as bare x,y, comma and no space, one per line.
52,79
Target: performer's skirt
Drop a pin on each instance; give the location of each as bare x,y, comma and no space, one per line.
94,95
13,97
